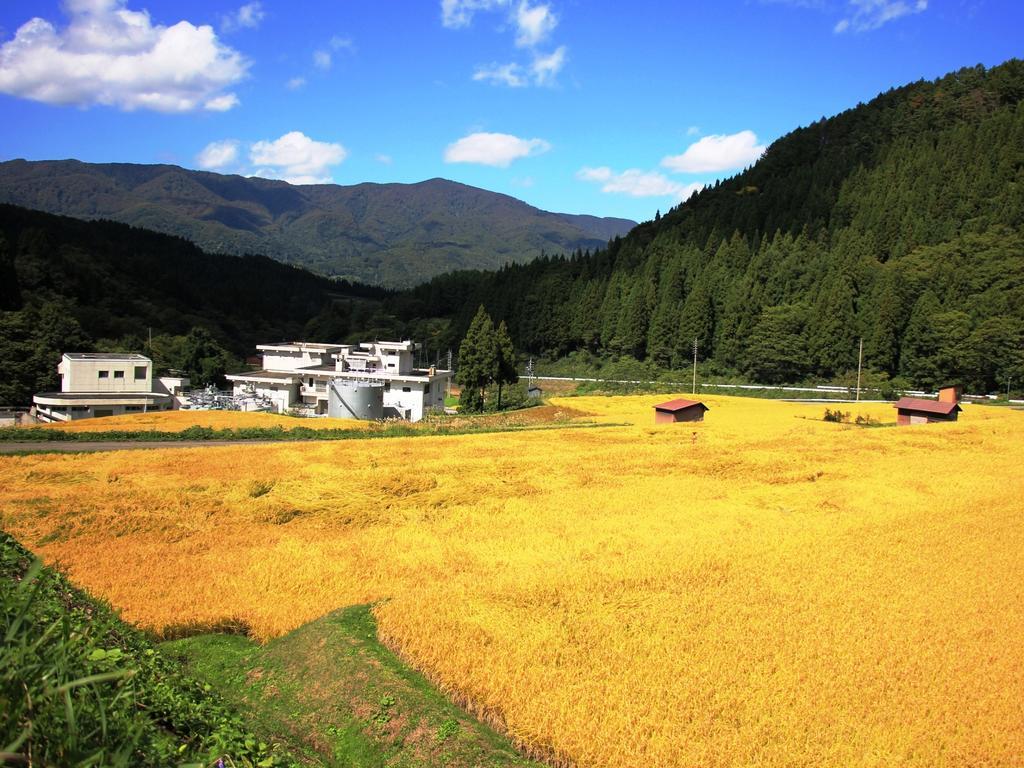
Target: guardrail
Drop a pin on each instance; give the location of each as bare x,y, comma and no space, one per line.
820,388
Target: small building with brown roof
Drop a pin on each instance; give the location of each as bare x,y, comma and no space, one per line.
679,410
911,410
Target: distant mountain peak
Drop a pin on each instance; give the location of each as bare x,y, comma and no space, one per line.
383,233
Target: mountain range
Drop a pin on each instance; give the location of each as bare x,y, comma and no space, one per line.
394,235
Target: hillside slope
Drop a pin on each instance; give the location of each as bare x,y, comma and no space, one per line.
386,234
899,222
66,283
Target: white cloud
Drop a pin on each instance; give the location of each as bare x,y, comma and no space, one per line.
248,16
637,183
693,130
113,56
322,59
544,68
717,153
494,149
295,83
218,154
865,15
534,23
338,43
542,71
459,13
385,159
511,75
221,103
296,158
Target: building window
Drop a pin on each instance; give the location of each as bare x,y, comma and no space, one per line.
407,389
133,407
426,389
118,374
140,372
104,374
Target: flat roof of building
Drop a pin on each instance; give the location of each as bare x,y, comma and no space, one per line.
275,375
329,370
300,345
112,356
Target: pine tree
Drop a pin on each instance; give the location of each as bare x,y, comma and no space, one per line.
920,351
697,321
777,351
478,361
882,345
833,335
505,358
664,328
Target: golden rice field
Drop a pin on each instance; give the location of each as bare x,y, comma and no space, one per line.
178,421
760,589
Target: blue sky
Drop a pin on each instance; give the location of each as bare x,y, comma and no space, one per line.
607,108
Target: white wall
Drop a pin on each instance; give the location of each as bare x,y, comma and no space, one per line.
84,375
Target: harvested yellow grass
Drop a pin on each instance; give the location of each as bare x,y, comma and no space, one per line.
761,588
178,421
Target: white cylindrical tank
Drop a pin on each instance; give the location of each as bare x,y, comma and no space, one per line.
362,400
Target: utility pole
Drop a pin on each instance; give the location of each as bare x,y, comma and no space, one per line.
1008,380
529,375
695,365
860,361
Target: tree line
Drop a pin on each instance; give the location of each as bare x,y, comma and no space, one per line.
899,222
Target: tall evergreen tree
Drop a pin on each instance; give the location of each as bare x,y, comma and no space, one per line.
919,355
697,321
777,350
505,359
882,344
478,361
833,331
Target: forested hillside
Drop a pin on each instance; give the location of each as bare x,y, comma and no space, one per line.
70,285
382,234
899,222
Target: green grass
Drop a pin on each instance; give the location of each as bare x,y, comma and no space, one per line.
336,696
80,687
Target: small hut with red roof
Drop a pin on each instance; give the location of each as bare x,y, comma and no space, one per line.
679,410
912,410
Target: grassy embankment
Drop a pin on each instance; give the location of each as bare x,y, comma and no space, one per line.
335,696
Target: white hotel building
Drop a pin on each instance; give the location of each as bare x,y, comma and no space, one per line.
300,375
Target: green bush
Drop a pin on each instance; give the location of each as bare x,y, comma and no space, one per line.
80,687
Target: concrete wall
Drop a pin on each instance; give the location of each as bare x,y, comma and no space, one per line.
120,375
290,360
